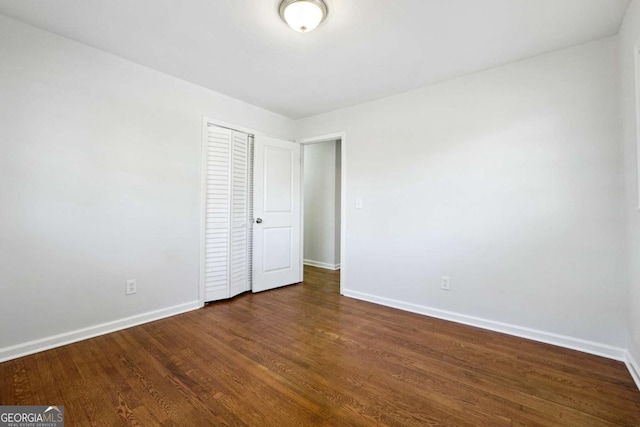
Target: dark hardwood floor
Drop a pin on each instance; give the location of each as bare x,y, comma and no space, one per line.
305,356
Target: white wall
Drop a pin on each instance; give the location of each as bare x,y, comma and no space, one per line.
100,169
630,39
320,220
509,181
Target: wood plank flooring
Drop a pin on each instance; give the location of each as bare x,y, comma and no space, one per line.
305,356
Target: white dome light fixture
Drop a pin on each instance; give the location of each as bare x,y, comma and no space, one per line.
303,15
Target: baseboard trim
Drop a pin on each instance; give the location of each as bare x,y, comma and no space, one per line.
36,346
578,344
633,367
319,264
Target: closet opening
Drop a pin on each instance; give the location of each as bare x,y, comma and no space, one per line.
251,238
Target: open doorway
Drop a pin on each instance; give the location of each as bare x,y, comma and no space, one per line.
323,208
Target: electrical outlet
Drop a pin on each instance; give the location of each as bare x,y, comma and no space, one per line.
445,283
132,287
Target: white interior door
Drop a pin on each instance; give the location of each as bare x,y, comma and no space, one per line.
276,229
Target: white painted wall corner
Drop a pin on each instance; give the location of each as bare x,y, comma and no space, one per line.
319,264
633,367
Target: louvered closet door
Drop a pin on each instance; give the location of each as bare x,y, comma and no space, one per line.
239,250
227,211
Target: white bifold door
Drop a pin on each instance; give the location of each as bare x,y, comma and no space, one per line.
227,217
252,213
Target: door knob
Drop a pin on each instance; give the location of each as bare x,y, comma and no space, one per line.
258,220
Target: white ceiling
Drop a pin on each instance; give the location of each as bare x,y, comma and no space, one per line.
367,49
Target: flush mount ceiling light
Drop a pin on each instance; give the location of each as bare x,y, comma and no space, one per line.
303,15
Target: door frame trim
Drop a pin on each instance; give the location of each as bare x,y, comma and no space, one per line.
342,136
